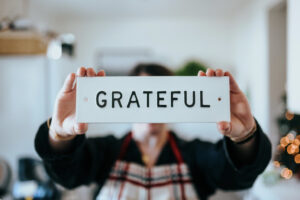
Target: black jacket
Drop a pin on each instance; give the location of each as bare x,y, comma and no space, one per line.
211,165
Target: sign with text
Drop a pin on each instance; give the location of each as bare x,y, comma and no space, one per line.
152,99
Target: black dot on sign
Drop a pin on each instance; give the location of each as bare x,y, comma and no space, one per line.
219,99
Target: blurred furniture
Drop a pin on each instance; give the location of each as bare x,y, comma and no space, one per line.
22,43
34,182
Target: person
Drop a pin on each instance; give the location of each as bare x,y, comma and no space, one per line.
150,161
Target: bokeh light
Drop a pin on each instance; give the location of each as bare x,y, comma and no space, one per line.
284,141
286,173
296,142
276,163
289,115
297,158
292,149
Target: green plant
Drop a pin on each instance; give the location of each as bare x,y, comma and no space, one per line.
190,68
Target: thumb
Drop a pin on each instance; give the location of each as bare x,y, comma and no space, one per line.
80,128
224,127
68,84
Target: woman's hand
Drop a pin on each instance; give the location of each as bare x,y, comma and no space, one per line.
64,125
242,121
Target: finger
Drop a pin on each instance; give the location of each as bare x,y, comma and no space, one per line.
224,127
68,84
81,72
210,72
233,85
90,72
101,73
201,73
80,128
219,72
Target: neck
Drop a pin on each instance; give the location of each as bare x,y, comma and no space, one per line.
151,140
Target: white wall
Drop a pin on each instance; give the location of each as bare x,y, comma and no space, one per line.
293,91
176,40
252,57
22,104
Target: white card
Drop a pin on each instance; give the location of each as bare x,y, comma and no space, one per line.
152,99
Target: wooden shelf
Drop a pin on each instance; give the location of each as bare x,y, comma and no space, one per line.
22,43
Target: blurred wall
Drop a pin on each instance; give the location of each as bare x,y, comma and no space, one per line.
252,57
23,100
293,56
173,40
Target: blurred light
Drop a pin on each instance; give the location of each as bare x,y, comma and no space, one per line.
297,158
286,173
289,115
291,136
296,142
292,149
276,163
54,50
284,141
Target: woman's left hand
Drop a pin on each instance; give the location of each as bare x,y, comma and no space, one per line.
242,121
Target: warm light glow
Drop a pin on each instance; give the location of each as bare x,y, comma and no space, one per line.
296,142
297,150
297,158
292,149
284,141
286,173
276,163
289,115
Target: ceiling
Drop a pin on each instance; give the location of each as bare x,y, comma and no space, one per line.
137,8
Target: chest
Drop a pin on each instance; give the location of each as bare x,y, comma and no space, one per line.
129,178
133,181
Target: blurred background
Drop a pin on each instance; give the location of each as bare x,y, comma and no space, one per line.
42,41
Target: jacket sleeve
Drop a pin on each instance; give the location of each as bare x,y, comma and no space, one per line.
219,168
86,161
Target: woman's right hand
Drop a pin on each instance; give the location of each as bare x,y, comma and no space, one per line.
63,125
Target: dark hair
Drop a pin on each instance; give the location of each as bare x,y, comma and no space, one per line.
152,69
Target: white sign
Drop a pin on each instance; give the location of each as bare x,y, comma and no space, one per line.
150,99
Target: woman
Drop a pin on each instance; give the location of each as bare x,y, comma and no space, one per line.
151,162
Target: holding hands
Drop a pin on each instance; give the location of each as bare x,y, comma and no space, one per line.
64,125
242,122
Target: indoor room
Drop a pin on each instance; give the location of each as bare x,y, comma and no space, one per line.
249,116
